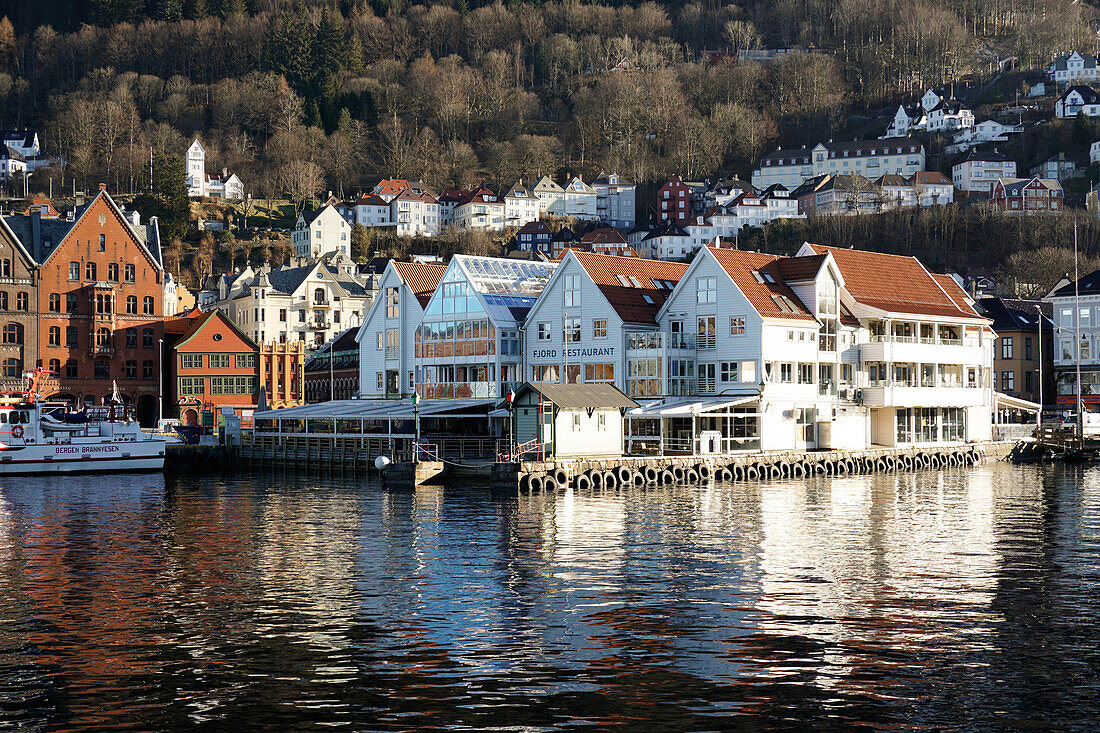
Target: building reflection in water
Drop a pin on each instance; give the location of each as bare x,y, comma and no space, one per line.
884,600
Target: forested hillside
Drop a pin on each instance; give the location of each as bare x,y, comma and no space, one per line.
298,96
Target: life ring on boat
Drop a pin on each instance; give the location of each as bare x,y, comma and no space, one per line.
17,431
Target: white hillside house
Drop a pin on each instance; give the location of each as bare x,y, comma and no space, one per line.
199,184
316,233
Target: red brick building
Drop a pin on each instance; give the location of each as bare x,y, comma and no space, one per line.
209,364
100,302
674,202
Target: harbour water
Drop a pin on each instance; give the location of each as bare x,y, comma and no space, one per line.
960,598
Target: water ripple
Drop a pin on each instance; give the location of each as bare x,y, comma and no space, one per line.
963,599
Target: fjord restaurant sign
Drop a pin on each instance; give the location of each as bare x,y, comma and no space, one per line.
574,353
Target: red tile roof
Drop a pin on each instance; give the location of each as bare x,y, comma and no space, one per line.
371,199
801,268
630,301
894,283
768,294
603,235
391,186
421,277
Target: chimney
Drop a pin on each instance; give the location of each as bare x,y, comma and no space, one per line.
103,187
36,234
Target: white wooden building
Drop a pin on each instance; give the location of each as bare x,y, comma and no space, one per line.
318,232
387,364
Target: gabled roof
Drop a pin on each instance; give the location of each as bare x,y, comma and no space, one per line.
794,269
930,178
290,279
7,151
422,278
897,284
1087,285
759,277
534,227
370,199
611,179
579,396
630,300
25,137
391,186
892,179
985,156
194,321
51,232
482,196
517,191
1015,186
1088,94
1010,314
603,235
565,234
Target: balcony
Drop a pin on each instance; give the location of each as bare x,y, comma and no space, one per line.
659,341
322,303
103,351
900,394
319,325
913,349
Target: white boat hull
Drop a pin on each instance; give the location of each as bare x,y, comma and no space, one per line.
142,455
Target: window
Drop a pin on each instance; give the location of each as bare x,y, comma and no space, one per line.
131,304
1006,347
302,316
148,305
13,333
805,373
599,372
70,337
55,302
102,303
89,274
1027,348
102,242
545,373
1008,381
786,373
544,332
146,338
3,300
282,315
55,336
22,301
55,366
706,333
392,308
112,272
70,369
129,272
13,368
74,270
728,371
232,385
131,338
5,268
737,325
572,330
706,290
131,370
192,385
219,361
191,361
1029,384
246,361
147,369
381,340
70,303
599,328
102,370
572,291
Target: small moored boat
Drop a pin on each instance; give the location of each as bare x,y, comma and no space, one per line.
42,437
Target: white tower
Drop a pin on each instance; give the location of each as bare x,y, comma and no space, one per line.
196,170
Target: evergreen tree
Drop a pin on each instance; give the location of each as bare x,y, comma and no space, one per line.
167,198
288,41
225,8
197,9
311,116
167,10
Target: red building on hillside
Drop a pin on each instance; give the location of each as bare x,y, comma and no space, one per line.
674,202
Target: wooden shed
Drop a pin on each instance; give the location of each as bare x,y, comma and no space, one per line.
570,420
